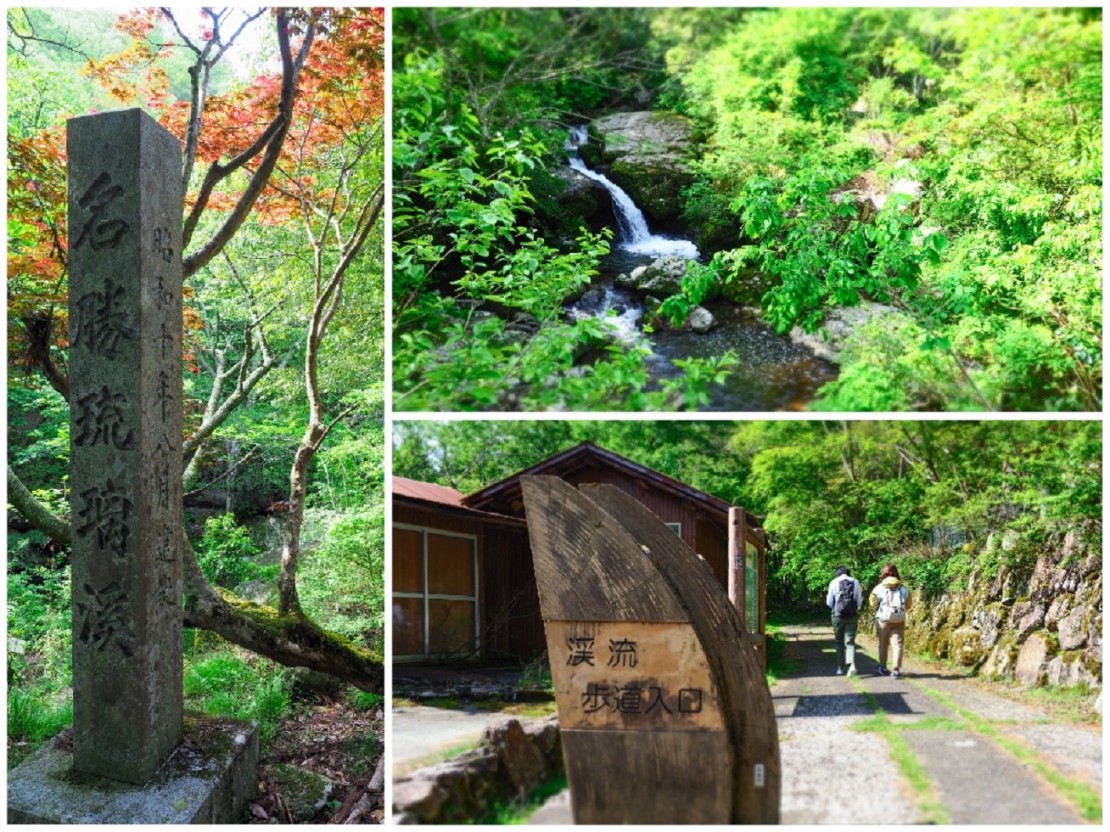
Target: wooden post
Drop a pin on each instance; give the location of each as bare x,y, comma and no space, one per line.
665,713
736,534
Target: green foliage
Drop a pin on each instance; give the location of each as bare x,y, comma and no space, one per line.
479,281
34,716
342,579
39,650
231,683
39,627
997,270
226,553
366,701
927,494
820,251
38,437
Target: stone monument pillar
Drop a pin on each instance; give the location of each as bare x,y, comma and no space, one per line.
125,205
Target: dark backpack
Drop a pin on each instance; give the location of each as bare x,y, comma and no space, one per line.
845,606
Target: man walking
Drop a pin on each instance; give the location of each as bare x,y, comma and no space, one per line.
845,599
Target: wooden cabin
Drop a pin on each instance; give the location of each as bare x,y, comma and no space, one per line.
463,585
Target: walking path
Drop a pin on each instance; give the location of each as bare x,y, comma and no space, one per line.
931,747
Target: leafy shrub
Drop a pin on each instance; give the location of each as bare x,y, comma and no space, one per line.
226,554
342,579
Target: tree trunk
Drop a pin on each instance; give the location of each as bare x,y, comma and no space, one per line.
36,513
289,639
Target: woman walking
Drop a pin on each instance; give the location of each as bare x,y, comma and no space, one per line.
890,599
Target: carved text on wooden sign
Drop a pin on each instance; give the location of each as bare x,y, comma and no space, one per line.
631,676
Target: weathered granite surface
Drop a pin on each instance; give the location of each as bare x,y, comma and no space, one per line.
208,778
125,198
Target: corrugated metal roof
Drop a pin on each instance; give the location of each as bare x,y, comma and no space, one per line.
427,491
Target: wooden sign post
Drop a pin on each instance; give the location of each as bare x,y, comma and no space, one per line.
664,710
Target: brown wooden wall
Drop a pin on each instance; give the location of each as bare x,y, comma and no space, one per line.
511,625
508,603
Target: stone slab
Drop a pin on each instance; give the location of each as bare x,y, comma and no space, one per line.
953,759
208,778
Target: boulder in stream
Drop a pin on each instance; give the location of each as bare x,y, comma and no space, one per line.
663,277
647,154
583,198
700,319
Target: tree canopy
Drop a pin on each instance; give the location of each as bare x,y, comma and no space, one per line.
929,494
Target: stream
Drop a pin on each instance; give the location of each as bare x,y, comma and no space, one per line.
773,372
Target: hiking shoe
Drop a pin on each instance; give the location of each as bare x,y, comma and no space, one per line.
840,671
894,674
852,670
882,671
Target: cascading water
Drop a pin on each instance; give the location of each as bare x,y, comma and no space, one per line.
773,373
634,235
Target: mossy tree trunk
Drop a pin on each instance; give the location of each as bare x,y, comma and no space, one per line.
289,639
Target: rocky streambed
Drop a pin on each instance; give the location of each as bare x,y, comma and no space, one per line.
627,171
773,372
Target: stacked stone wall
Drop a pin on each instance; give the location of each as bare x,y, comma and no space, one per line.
1039,624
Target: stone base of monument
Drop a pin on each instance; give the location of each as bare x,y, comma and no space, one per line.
207,779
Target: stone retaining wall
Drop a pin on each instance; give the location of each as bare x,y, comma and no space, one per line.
1037,626
510,762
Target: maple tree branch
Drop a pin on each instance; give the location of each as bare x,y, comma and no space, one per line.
31,37
40,334
269,144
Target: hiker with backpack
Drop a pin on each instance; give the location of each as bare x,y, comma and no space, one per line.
845,599
890,599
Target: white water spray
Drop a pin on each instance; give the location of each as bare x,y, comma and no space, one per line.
634,235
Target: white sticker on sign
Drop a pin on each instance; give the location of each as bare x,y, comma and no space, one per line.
759,775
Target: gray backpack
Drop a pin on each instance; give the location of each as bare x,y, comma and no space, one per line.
892,609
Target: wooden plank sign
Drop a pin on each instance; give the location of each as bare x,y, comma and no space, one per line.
663,707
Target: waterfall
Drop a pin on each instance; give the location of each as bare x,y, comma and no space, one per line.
634,235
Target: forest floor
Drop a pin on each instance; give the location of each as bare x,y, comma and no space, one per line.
934,746
330,738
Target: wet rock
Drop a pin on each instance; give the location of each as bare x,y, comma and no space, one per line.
662,278
839,324
700,319
648,154
591,301
584,198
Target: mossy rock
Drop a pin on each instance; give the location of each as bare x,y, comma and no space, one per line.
747,288
655,182
304,792
967,647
